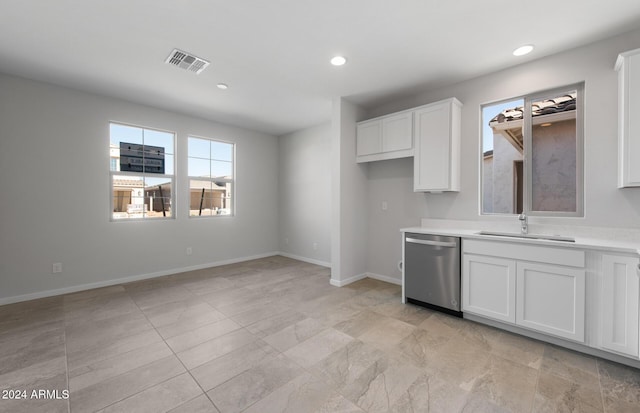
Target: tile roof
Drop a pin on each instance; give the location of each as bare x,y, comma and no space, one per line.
558,104
134,182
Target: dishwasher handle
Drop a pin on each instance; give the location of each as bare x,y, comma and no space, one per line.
434,243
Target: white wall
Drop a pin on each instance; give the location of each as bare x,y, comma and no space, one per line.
304,204
605,205
349,232
390,182
54,186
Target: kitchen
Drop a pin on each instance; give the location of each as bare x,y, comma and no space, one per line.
355,212
436,244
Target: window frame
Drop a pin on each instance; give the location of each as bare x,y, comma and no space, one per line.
172,177
232,180
527,132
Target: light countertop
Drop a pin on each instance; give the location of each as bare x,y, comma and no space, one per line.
583,242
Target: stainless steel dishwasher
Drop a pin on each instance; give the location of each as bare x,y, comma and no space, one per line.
432,271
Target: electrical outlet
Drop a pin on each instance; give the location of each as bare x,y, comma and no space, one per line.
286,241
385,206
315,245
56,268
189,251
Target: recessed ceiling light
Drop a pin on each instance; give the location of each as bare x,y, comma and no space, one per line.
338,60
523,50
223,86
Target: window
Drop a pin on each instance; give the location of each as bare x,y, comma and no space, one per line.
141,172
211,177
532,150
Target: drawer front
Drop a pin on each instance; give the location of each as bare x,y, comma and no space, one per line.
526,252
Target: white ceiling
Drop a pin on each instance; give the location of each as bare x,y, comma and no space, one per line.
274,55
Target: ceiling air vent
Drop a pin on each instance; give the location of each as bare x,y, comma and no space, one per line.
187,61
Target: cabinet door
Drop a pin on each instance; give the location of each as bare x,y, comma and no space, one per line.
628,66
489,287
620,296
397,132
369,138
551,299
437,151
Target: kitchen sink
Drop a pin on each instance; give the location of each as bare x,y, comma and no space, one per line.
528,236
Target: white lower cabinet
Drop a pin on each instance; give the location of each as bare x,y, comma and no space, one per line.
620,294
489,287
508,283
551,299
591,298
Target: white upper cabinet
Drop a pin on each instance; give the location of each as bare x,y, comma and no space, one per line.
387,137
397,132
436,166
429,133
628,67
369,138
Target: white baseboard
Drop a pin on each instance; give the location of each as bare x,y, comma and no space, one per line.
385,278
305,259
359,277
123,280
342,283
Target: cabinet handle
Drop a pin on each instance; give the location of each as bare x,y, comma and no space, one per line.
434,243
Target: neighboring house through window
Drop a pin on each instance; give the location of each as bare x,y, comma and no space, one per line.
141,172
211,177
532,154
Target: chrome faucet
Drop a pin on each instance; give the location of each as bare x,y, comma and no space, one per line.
524,227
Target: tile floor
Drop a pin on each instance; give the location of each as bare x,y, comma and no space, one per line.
272,335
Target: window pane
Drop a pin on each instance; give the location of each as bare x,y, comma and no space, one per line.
199,148
128,196
158,138
200,197
553,166
221,151
221,169
114,160
168,164
199,167
119,134
502,156
157,197
123,133
208,198
141,197
221,195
